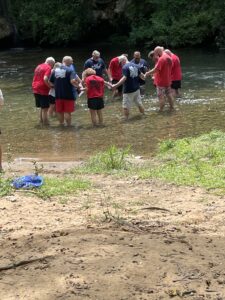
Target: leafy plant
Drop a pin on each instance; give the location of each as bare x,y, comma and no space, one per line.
111,159
37,168
5,186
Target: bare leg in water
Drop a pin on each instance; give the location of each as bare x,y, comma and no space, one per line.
93,117
68,118
61,118
100,116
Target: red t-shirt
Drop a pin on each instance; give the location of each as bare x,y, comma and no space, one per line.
115,68
95,86
176,69
38,84
164,68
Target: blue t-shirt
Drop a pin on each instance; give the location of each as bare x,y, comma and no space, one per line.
61,78
98,65
143,65
132,72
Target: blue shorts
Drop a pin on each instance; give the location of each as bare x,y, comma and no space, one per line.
95,103
41,101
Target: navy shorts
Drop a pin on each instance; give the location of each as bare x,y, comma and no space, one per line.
176,84
51,99
41,101
95,103
120,88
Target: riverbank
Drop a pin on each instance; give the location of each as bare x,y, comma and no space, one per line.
122,238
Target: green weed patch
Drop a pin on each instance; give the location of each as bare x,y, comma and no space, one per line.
110,161
196,161
59,187
5,186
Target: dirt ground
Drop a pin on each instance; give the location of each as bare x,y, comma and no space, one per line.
122,239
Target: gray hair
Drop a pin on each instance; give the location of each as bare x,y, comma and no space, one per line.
96,53
57,65
67,58
158,50
151,54
122,58
50,60
168,52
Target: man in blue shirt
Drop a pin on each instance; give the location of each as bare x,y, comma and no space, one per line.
64,80
144,67
96,63
131,86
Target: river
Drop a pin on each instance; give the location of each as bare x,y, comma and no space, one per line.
201,108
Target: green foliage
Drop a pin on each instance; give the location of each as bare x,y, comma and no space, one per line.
150,22
5,186
43,22
58,187
113,159
192,161
178,23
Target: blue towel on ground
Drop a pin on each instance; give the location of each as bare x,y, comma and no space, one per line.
28,182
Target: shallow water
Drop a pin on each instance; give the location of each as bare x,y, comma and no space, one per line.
201,109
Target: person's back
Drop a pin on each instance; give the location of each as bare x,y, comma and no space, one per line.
164,69
115,68
95,86
38,84
132,72
61,77
143,66
176,69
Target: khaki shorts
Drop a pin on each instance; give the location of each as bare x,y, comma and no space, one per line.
163,91
132,97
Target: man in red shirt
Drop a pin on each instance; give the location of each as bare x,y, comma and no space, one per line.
41,87
162,77
176,75
115,73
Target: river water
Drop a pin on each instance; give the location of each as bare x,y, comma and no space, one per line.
201,109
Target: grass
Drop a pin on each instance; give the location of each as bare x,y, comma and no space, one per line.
5,186
196,161
110,161
59,187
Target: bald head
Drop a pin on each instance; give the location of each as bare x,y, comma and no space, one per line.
168,52
67,60
95,55
137,56
158,51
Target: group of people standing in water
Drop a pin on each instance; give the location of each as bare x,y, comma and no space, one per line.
57,85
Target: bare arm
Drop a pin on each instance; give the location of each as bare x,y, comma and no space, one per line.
47,82
151,72
109,74
106,73
122,80
74,82
142,76
108,84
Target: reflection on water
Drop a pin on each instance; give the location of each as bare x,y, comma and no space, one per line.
201,109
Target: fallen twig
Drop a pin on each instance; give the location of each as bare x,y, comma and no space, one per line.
22,263
155,208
